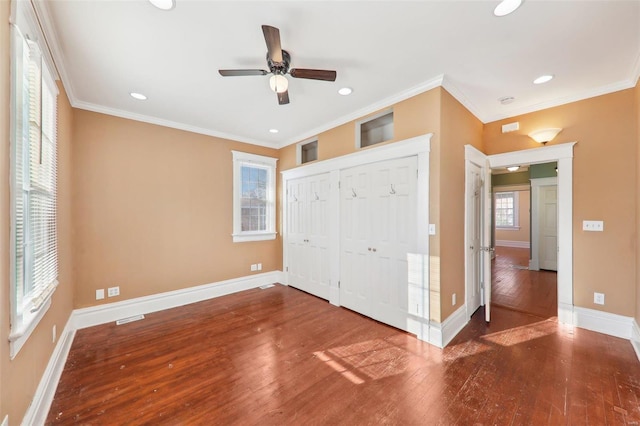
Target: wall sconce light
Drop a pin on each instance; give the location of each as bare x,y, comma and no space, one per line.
513,168
544,135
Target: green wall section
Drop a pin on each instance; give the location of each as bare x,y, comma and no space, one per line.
517,178
537,171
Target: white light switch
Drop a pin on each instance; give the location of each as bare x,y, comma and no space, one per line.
593,225
432,229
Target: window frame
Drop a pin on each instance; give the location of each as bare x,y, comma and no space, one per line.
241,159
516,210
26,310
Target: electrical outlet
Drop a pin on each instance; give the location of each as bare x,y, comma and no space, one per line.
54,333
254,267
113,291
598,298
259,266
100,294
453,299
593,225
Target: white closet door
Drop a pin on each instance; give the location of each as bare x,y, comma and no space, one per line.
298,268
378,217
318,235
355,229
307,237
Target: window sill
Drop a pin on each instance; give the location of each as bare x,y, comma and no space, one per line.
18,338
507,228
246,237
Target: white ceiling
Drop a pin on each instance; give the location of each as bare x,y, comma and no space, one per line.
385,50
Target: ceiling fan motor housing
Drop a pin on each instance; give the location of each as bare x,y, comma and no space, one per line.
280,67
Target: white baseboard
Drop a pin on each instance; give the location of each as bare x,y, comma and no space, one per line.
81,318
635,338
440,334
603,322
509,243
101,314
565,314
39,409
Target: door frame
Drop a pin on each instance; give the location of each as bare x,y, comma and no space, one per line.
563,154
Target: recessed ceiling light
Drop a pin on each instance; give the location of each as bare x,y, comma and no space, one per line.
273,130
345,91
164,4
506,7
543,79
138,96
506,100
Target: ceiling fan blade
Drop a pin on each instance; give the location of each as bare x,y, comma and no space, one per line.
325,75
283,98
272,37
240,73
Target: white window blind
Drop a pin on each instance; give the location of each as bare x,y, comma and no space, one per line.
34,181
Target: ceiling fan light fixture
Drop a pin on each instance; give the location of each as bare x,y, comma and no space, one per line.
163,4
278,83
506,7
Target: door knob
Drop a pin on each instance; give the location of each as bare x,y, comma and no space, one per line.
373,250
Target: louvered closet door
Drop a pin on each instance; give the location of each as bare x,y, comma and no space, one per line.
308,234
377,233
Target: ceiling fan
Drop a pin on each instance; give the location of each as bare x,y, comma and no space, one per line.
278,61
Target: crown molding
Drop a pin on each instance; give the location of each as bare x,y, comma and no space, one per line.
384,103
172,124
592,93
454,91
635,73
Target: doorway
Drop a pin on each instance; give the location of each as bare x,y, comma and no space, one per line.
563,155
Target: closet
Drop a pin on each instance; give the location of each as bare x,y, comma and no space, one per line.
356,232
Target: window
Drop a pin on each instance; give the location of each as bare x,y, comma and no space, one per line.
254,191
506,209
34,239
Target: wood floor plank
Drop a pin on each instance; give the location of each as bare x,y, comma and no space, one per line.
282,357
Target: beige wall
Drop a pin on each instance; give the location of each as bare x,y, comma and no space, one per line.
524,219
458,128
605,129
153,209
20,377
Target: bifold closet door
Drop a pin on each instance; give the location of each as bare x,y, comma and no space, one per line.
307,237
378,230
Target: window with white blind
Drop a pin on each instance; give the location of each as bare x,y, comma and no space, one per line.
254,191
34,242
506,209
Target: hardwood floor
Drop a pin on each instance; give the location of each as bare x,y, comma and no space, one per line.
281,356
515,287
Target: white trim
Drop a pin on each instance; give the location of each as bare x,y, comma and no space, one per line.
17,338
604,322
384,103
512,243
454,91
635,338
635,72
101,314
39,409
563,154
441,334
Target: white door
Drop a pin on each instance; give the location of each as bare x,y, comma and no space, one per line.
307,234
478,208
474,236
378,222
548,239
